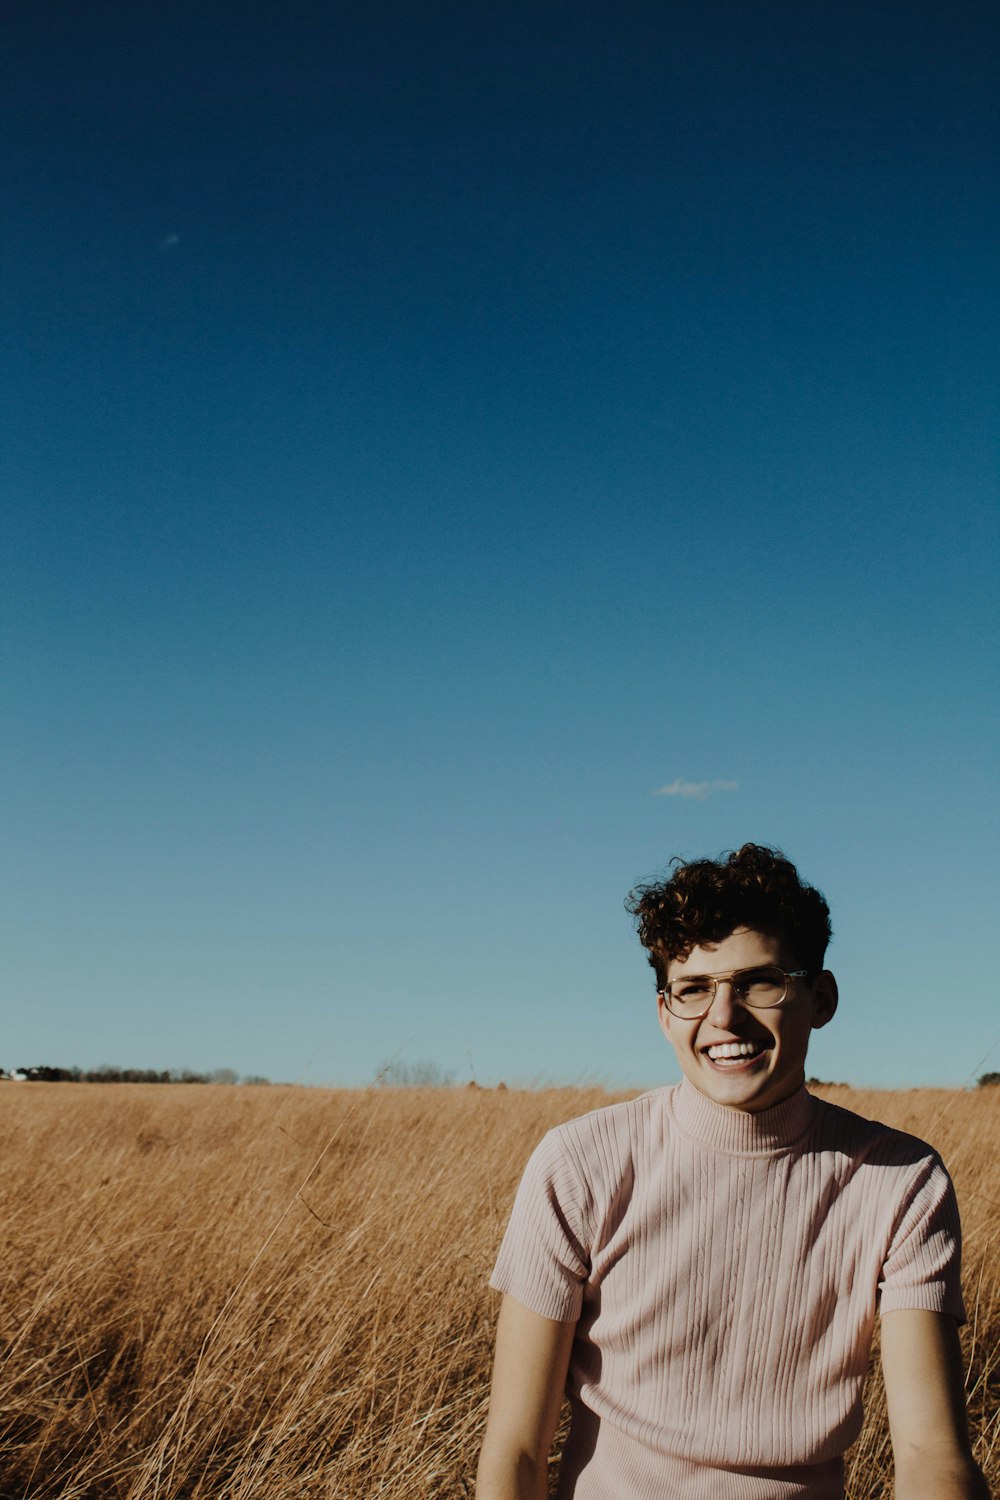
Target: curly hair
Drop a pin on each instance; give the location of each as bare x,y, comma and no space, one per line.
704,900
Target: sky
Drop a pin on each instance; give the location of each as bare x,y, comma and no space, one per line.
458,458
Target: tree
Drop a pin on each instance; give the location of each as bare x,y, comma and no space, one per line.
415,1075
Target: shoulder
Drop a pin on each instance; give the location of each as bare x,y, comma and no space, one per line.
842,1131
901,1173
613,1129
605,1146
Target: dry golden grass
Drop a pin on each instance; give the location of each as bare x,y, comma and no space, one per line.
260,1294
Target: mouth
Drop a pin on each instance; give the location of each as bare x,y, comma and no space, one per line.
733,1055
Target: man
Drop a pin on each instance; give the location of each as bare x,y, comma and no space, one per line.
699,1269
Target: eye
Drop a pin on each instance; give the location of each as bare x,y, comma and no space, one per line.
692,989
761,984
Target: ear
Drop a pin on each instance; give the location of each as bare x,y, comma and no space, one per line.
664,1016
824,996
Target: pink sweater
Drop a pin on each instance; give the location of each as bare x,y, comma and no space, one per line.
724,1271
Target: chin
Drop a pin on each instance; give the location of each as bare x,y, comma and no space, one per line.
740,1089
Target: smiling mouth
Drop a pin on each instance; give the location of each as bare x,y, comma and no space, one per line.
734,1052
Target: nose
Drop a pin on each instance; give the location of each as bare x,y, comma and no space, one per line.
725,1005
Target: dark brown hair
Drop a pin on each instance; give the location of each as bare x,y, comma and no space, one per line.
704,900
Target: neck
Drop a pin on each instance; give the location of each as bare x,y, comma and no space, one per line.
739,1130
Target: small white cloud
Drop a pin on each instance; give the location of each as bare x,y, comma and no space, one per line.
694,790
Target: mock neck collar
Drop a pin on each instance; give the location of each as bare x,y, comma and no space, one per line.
736,1130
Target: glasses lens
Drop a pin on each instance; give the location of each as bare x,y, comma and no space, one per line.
690,997
761,987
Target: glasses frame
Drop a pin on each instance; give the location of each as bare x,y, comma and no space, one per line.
731,977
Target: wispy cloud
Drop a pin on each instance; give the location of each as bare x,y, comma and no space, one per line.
695,790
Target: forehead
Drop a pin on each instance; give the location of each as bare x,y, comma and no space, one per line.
744,948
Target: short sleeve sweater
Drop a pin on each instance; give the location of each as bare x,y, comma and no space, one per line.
724,1270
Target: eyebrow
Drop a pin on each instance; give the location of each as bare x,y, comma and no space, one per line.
750,969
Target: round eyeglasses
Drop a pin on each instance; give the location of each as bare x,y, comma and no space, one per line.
691,996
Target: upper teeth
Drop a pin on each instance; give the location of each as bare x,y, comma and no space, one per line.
734,1049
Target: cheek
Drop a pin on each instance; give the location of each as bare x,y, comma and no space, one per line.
675,1031
794,1041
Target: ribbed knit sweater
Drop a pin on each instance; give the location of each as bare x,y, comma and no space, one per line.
724,1271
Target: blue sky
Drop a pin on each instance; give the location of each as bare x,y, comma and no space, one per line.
432,433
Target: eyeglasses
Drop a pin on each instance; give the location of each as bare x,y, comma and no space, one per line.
692,996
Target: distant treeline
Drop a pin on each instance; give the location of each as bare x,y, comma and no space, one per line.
107,1074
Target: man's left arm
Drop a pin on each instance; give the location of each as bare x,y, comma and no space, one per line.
925,1394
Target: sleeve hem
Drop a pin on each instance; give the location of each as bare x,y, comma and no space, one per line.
561,1309
923,1299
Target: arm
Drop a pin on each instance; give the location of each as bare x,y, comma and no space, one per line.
924,1391
529,1376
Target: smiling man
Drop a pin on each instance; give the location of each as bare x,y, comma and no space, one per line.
699,1270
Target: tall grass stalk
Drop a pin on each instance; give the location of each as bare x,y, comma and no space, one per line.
263,1293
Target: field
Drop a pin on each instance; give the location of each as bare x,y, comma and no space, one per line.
239,1293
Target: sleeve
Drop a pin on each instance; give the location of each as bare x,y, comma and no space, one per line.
544,1259
922,1268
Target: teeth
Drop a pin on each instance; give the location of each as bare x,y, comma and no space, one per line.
734,1049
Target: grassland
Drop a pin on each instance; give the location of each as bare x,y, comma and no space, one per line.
280,1293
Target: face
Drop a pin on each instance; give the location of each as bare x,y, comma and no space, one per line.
772,1064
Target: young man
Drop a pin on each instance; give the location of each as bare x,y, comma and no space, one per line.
699,1269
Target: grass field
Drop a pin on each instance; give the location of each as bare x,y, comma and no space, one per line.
279,1293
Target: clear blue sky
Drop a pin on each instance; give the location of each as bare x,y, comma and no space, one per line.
430,431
